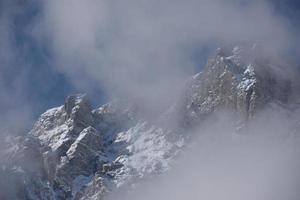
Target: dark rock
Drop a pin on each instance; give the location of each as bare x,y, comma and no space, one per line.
79,110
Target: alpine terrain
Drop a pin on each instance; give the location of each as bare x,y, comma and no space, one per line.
78,152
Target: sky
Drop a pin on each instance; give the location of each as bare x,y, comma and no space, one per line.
141,50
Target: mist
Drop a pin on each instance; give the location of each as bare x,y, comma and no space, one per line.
16,111
140,51
143,50
222,162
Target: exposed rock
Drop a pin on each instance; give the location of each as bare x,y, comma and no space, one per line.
81,158
232,82
74,152
78,109
111,167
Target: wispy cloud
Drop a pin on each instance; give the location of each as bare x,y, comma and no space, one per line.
145,49
223,164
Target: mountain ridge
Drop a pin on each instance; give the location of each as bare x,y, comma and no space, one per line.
77,152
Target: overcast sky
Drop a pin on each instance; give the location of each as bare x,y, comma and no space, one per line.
50,49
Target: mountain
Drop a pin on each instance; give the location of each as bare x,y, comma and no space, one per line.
240,81
77,152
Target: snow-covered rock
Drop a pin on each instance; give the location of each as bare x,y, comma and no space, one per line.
74,152
237,81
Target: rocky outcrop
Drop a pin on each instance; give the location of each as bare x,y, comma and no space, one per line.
238,81
71,148
70,145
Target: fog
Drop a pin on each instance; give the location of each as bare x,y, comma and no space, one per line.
145,49
142,50
259,162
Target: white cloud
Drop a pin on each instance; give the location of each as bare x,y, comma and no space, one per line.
223,164
142,49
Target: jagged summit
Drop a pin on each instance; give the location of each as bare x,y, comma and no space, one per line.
234,80
77,152
80,100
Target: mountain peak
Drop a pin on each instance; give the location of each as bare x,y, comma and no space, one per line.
82,152
235,79
72,101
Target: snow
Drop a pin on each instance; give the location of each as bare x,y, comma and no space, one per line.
79,98
249,70
236,50
149,152
248,80
56,137
51,112
143,150
229,57
197,76
70,153
246,84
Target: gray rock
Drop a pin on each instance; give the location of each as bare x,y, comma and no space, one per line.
230,83
74,152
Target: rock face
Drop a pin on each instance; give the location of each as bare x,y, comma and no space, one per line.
238,81
74,152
